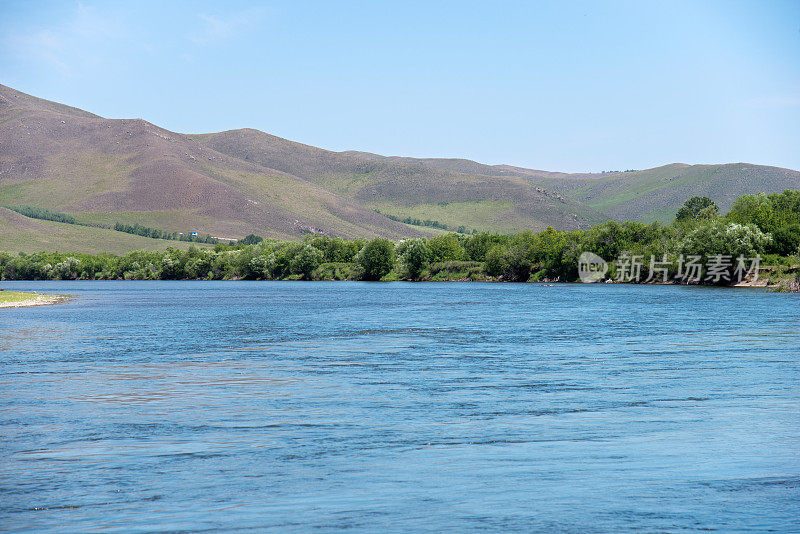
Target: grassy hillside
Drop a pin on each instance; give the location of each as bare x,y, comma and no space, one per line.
657,194
646,195
233,183
130,170
405,186
22,234
460,165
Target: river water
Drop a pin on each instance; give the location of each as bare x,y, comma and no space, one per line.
292,406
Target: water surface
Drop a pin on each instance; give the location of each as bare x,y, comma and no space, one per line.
144,406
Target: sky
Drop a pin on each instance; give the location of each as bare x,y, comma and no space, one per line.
565,86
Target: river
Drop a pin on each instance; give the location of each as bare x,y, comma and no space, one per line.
293,406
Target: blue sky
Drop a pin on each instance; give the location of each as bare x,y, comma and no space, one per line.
571,86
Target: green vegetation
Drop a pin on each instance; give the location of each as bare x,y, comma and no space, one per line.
777,214
13,299
44,214
697,208
786,240
376,259
22,234
8,297
414,256
414,221
550,255
788,283
427,222
250,239
155,233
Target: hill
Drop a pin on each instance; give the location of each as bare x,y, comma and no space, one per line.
408,187
129,170
21,234
657,194
646,195
237,182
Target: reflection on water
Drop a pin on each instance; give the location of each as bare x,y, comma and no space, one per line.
428,407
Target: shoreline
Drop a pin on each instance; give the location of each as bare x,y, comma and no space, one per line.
41,299
25,299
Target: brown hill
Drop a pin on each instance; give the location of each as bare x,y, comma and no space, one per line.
233,183
501,200
104,170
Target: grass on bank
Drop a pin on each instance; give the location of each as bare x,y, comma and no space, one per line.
781,278
7,297
13,299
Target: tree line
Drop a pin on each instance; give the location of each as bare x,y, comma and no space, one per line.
43,213
765,225
35,212
155,233
462,229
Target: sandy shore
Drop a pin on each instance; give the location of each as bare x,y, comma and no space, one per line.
17,299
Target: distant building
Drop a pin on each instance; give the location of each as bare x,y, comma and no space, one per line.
193,234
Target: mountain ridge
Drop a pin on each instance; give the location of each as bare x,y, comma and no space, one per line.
242,181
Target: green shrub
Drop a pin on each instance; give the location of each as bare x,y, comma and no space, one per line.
478,245
376,259
306,261
697,208
414,256
250,239
786,240
335,271
456,270
495,263
446,247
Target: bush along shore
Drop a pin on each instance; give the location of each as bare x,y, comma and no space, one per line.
761,233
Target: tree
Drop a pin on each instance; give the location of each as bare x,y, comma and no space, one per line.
478,245
754,209
336,249
786,240
727,238
697,208
495,263
199,265
414,255
306,261
67,269
768,212
376,259
513,260
446,247
250,239
719,237
518,258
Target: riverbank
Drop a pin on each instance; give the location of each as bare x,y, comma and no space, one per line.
251,263
776,278
21,299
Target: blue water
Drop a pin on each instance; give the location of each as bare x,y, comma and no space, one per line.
185,406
